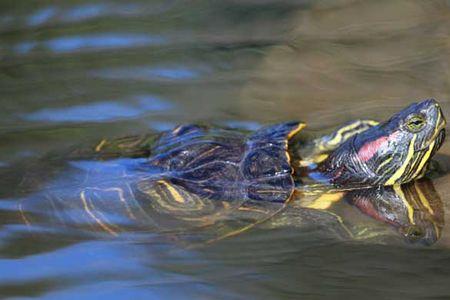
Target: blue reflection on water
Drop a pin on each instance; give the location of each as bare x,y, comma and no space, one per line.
144,289
8,204
41,16
100,257
85,11
148,102
108,171
101,41
146,73
25,47
91,42
81,12
161,126
112,269
113,167
248,125
88,11
174,73
101,111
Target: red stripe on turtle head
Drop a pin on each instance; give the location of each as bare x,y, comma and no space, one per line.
369,149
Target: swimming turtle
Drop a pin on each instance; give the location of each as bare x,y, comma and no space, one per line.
196,176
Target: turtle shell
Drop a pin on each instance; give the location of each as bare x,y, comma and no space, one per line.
195,177
226,164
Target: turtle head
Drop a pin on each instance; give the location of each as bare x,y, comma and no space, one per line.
399,150
393,152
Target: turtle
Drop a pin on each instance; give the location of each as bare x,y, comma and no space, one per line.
220,181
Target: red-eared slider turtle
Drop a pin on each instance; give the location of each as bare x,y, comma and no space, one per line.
196,176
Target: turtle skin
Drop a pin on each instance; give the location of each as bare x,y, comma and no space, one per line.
225,164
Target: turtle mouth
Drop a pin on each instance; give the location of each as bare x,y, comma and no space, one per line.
440,139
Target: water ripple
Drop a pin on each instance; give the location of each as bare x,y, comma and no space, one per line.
41,16
24,47
100,256
102,41
161,125
148,73
92,42
247,125
86,11
83,12
100,111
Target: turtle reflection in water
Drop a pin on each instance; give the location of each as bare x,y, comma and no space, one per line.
220,182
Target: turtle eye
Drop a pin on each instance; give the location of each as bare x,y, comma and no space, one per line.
415,123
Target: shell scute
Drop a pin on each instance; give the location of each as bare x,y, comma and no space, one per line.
265,162
227,164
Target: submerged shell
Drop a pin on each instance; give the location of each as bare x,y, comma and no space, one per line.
226,164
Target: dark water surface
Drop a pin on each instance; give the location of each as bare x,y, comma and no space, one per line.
74,72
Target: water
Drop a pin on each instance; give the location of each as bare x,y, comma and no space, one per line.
73,73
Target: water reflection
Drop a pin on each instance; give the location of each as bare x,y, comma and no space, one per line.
41,16
248,125
92,42
148,73
108,207
24,47
102,41
83,12
125,197
161,125
102,111
94,10
415,210
103,256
